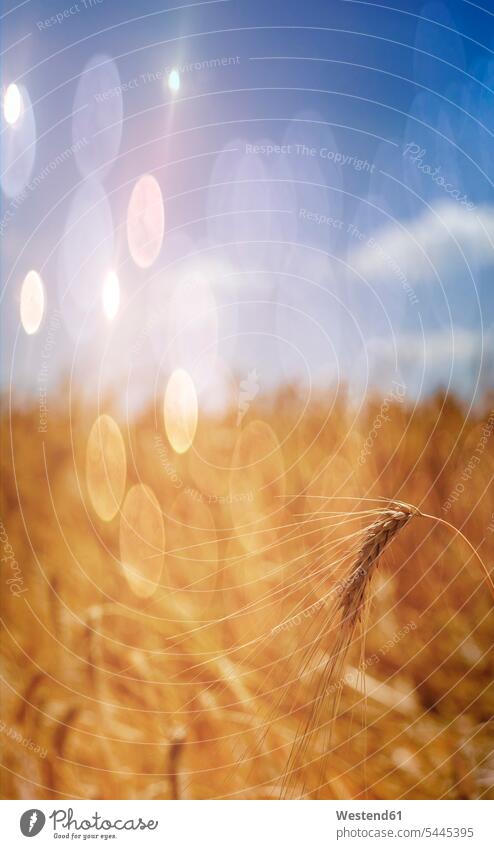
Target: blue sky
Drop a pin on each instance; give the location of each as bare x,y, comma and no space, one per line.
326,171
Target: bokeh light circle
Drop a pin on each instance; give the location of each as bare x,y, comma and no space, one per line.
18,141
32,305
111,295
106,467
180,411
12,104
145,221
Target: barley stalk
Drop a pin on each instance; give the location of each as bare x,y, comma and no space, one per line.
377,537
347,611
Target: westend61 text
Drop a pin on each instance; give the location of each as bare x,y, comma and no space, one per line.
368,815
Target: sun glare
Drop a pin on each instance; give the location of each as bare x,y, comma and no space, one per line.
12,104
32,302
111,295
174,80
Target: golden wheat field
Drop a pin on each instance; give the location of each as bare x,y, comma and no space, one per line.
166,617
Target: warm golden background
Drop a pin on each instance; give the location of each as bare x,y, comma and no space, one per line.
183,685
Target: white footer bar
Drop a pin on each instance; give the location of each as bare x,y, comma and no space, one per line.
248,824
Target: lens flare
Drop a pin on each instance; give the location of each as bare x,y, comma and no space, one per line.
106,467
12,104
145,221
32,302
18,148
174,80
111,295
180,410
142,540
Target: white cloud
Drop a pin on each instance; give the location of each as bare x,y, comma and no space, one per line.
442,346
436,358
425,248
